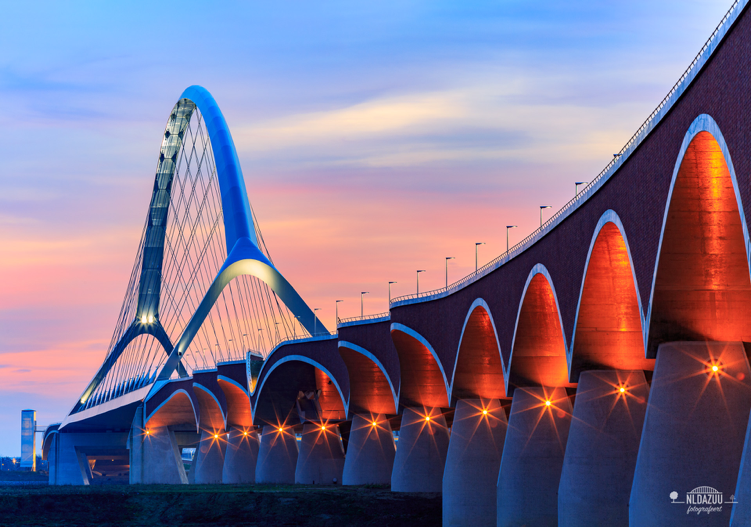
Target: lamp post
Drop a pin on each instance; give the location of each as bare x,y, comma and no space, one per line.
361,295
508,227
541,209
315,321
418,279
447,269
577,183
477,245
390,293
337,310
260,339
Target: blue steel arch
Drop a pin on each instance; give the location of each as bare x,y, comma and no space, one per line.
244,256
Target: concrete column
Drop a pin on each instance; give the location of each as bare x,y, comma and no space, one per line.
420,452
240,456
370,451
741,514
155,457
603,443
694,432
533,457
277,456
321,459
209,458
474,459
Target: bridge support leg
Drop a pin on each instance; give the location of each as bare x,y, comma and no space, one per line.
209,457
277,456
473,462
533,457
421,451
321,459
603,443
694,432
241,456
155,458
370,451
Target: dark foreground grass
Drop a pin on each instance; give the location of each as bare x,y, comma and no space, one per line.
259,505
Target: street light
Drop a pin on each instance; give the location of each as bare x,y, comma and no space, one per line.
390,293
361,294
337,310
315,321
507,229
577,183
418,279
541,209
476,245
260,339
447,269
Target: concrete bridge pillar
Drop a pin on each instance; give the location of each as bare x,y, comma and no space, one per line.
155,457
240,456
67,464
603,443
277,456
693,437
421,451
208,462
533,457
370,451
474,459
321,458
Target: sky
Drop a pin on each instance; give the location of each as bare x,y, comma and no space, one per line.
376,138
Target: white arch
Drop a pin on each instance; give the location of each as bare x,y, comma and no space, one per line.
395,326
476,304
369,355
537,269
703,123
609,216
300,358
181,390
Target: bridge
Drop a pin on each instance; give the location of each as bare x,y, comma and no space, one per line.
597,373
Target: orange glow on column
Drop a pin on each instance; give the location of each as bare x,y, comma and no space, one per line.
547,402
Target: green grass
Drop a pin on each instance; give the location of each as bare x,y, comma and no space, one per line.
258,505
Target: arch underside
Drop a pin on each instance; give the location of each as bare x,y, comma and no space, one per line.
211,414
479,371
608,331
177,412
702,289
370,390
538,357
422,381
238,404
297,390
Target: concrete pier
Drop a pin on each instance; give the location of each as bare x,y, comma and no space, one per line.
208,462
421,451
277,456
240,456
472,464
321,458
693,436
72,455
603,443
533,457
370,451
155,457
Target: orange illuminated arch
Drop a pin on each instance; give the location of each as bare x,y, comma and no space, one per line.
211,414
372,390
422,377
538,352
478,367
238,402
608,329
702,289
176,410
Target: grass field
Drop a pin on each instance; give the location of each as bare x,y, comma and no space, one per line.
259,505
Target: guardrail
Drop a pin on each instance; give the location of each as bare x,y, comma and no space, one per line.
593,185
351,321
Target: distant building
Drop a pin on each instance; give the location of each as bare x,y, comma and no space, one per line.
28,440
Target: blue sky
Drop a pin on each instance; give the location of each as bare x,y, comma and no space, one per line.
375,138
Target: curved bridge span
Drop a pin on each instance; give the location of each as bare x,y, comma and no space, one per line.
565,383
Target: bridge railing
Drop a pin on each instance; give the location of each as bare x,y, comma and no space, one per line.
351,321
593,185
